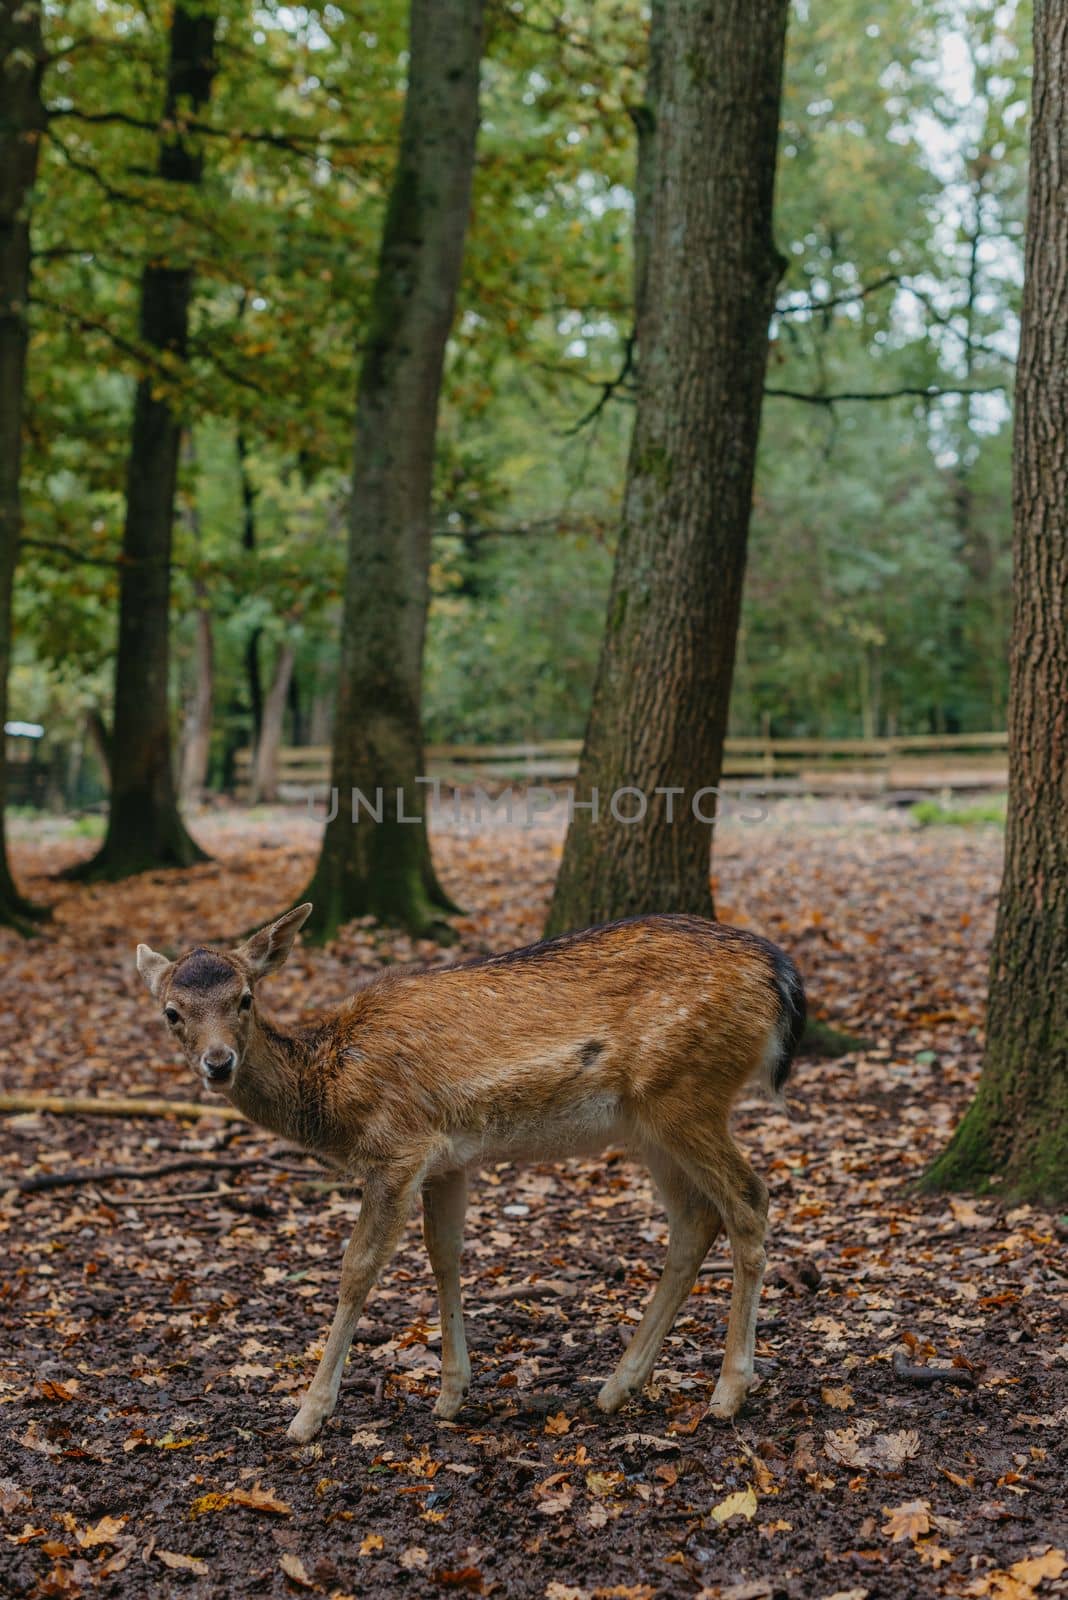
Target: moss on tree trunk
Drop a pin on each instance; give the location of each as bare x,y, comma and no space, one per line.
1014,1136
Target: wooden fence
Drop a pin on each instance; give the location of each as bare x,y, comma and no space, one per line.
923,763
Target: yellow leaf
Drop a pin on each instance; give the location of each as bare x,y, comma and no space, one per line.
742,1503
1034,1568
102,1532
838,1399
370,1543
561,1423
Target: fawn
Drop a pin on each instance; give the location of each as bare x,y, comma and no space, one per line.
640,1033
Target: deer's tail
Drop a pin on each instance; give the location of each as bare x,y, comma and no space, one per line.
774,1071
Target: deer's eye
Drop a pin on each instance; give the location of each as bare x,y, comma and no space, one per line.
172,1016
245,1002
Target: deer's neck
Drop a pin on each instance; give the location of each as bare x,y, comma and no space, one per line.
278,1085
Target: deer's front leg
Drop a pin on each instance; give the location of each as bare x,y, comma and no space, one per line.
444,1204
387,1201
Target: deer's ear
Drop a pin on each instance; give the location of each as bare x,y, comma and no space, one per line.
267,950
153,967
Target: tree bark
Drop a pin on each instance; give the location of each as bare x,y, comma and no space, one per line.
707,271
384,869
21,122
265,766
196,744
253,676
1015,1133
145,829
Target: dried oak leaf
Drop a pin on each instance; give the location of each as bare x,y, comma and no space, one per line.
908,1521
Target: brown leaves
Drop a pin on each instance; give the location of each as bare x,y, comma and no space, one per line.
255,1499
855,1446
1022,1580
909,1521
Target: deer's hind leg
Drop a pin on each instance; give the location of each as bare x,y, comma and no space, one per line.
741,1198
444,1205
693,1223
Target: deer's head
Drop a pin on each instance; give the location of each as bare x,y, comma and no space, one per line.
208,997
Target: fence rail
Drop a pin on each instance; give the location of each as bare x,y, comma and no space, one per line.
921,762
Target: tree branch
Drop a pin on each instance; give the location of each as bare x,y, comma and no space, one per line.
930,392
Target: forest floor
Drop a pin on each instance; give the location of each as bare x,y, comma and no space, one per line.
158,1331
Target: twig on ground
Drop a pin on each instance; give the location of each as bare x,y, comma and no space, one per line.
74,1106
77,1175
903,1368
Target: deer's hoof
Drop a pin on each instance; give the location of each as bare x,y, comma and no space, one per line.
305,1425
615,1393
728,1397
448,1403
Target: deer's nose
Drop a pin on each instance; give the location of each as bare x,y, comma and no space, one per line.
218,1063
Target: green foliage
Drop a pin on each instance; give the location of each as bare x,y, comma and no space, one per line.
877,590
933,814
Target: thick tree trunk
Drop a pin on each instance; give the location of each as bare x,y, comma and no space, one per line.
265,766
384,869
21,121
1016,1131
706,281
145,829
196,744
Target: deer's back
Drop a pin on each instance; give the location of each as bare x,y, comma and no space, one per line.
566,1043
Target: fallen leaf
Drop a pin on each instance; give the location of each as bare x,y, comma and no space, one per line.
742,1503
294,1569
102,1532
257,1499
933,1554
371,1543
414,1558
180,1563
892,1450
908,1521
838,1399
560,1423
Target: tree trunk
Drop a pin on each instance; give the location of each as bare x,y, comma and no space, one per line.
144,827
384,869
1015,1133
21,122
705,295
265,766
196,745
253,676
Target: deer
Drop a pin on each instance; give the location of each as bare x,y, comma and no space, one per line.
640,1034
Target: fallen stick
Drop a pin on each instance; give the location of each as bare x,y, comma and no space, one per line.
62,1105
904,1368
73,1175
